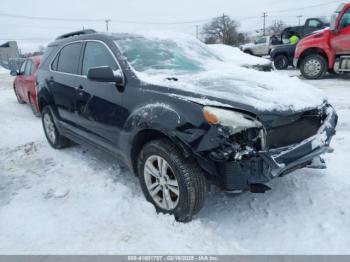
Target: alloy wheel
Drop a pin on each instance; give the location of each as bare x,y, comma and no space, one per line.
49,128
161,183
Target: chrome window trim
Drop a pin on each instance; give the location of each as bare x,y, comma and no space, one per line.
83,41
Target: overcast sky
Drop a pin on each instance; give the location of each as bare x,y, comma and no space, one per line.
142,12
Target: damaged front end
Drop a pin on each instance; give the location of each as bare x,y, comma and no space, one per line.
248,154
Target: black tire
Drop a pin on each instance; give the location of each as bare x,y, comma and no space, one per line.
19,99
248,52
59,141
320,65
280,62
191,181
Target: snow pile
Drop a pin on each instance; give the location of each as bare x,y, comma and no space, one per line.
80,202
4,70
236,56
201,71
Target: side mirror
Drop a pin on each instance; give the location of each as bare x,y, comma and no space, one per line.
105,74
14,73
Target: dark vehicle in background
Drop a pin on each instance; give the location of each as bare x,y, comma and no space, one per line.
283,56
24,83
159,105
265,44
311,25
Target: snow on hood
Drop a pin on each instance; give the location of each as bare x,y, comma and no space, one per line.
265,91
223,80
236,56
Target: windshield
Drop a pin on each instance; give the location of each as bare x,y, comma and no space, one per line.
180,55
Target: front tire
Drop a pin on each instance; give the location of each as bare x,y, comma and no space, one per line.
280,62
313,67
55,139
172,183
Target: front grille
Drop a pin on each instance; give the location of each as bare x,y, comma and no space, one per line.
301,128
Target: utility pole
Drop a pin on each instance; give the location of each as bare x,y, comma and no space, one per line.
264,28
299,17
107,21
197,31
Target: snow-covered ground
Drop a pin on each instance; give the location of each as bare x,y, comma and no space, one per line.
81,201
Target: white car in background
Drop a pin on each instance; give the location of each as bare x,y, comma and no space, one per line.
235,55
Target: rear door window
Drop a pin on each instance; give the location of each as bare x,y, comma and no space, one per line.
96,55
68,60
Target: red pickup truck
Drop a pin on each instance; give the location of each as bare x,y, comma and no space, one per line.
327,50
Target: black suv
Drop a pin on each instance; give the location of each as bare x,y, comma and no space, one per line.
154,104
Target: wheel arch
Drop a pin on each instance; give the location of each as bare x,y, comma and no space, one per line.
42,102
284,53
313,51
146,135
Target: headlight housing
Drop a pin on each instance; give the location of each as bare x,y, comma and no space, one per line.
235,121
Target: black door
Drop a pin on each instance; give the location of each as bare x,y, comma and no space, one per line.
98,103
64,81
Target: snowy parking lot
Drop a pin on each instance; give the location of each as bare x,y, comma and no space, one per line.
81,201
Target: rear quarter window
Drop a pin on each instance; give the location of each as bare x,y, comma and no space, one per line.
47,56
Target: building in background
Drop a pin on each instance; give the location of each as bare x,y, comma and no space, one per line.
8,54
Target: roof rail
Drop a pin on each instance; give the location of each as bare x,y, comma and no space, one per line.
81,32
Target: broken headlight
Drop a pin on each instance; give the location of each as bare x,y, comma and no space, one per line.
233,120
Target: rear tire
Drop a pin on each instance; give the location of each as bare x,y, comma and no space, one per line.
55,139
248,52
188,196
19,99
280,62
313,67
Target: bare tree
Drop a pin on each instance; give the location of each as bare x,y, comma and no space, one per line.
276,27
222,30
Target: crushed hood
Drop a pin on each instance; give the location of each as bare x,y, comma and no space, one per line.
232,86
